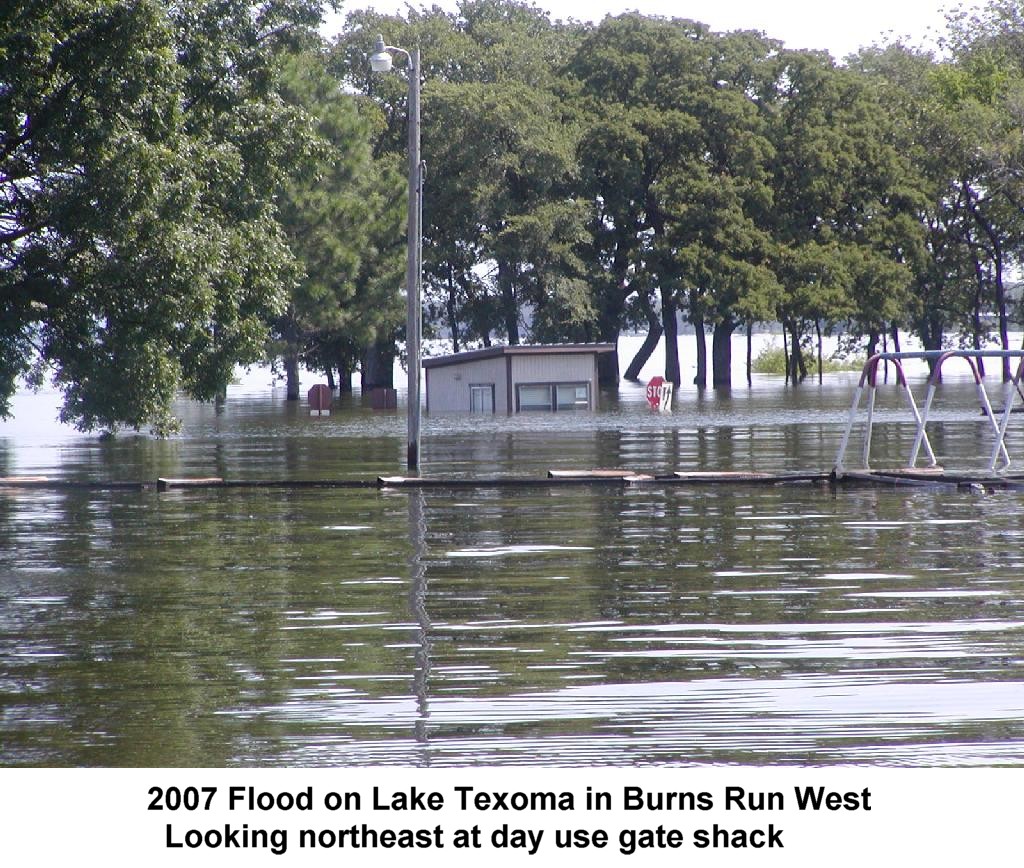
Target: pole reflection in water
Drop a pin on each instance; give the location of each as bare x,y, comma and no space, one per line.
418,605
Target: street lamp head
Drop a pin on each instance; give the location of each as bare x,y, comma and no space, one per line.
380,60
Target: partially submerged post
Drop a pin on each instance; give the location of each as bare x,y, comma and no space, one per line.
319,400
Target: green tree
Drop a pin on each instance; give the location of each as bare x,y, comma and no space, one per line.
983,92
341,211
500,220
718,207
637,77
141,144
677,163
838,201
945,114
511,166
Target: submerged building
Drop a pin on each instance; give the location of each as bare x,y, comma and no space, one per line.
515,379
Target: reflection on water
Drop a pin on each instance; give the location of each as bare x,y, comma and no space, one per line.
566,626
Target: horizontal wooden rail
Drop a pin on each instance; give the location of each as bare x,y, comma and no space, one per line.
934,476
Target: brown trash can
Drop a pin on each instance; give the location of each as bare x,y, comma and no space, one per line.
384,399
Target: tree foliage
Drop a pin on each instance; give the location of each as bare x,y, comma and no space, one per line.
183,187
140,147
341,213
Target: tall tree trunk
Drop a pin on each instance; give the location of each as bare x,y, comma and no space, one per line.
509,307
608,363
291,373
894,333
979,275
750,353
721,354
1004,329
700,379
290,335
931,328
612,297
378,367
668,319
976,343
608,367
885,349
452,309
344,375
932,333
799,367
329,370
647,348
872,342
817,331
785,350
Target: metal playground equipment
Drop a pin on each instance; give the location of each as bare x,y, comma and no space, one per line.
868,381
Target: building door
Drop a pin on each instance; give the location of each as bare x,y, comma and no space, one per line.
481,398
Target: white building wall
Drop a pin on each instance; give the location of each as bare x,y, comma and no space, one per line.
556,368
448,385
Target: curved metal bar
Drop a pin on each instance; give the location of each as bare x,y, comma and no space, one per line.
869,379
934,354
948,354
969,356
869,371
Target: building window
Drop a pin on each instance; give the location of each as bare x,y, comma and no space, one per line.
481,398
572,396
534,398
553,396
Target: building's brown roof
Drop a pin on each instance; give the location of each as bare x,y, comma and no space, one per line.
518,350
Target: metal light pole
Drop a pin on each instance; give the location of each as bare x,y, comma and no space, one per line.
380,61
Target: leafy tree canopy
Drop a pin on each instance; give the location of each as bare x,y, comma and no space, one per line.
141,142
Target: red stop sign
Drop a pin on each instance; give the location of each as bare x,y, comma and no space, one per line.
654,391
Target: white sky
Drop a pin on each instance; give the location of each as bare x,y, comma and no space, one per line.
840,28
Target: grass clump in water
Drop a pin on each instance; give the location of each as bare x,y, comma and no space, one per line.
772,360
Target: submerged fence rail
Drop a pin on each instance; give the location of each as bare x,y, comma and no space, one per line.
869,381
602,478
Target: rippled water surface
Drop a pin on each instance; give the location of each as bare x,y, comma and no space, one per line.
571,625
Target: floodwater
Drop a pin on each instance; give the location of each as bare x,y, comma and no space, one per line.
571,626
